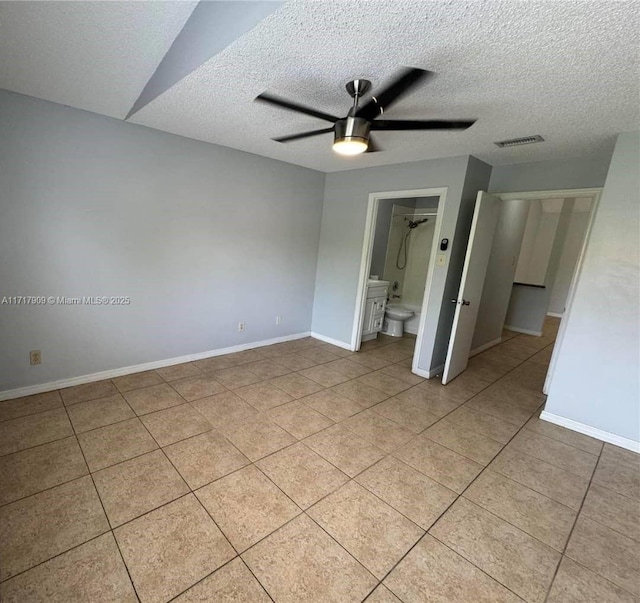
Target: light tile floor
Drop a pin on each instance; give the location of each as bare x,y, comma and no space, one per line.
303,472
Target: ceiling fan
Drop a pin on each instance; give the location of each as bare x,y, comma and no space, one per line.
352,134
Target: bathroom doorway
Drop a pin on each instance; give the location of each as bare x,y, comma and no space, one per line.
401,249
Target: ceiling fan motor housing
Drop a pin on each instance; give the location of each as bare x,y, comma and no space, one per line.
352,129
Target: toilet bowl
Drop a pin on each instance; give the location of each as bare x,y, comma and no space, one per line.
394,317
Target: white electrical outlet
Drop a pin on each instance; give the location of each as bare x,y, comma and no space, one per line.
35,357
240,327
278,320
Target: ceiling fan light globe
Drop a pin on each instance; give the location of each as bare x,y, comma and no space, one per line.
350,145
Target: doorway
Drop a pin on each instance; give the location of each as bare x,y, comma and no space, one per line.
487,249
535,260
400,248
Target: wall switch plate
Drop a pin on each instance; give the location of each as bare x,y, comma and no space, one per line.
441,259
240,327
35,357
278,320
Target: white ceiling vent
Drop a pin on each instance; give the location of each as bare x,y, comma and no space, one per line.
514,142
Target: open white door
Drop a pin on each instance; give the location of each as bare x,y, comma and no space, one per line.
485,218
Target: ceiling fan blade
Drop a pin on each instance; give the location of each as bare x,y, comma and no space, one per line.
291,106
432,124
373,147
407,79
302,135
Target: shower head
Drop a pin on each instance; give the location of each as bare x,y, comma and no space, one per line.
415,223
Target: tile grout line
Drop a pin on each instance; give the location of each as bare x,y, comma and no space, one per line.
190,492
575,521
301,441
302,510
75,546
155,371
137,416
193,493
104,511
251,463
90,474
455,500
458,496
238,556
380,582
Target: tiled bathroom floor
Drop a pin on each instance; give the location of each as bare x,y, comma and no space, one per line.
303,472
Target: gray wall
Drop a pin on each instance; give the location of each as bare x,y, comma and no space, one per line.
498,283
381,239
425,204
476,179
585,172
199,236
342,236
528,306
596,365
570,253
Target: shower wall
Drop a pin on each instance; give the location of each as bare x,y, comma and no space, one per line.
415,274
411,280
390,231
420,253
397,231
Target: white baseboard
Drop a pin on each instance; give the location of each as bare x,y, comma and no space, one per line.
147,366
428,374
420,372
336,342
555,314
599,434
524,331
484,347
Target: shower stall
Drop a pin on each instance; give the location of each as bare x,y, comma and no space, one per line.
407,258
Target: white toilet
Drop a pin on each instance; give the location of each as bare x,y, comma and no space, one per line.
394,317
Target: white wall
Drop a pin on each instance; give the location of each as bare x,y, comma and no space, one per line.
342,235
570,253
498,283
420,255
537,243
412,278
199,236
596,375
396,231
415,278
545,237
529,238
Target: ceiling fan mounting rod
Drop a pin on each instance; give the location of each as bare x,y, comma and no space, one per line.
357,89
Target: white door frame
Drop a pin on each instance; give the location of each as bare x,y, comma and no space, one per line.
367,250
595,193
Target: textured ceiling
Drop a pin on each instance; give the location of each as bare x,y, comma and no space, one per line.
565,70
96,56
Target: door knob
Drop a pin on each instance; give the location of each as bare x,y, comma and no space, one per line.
463,302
